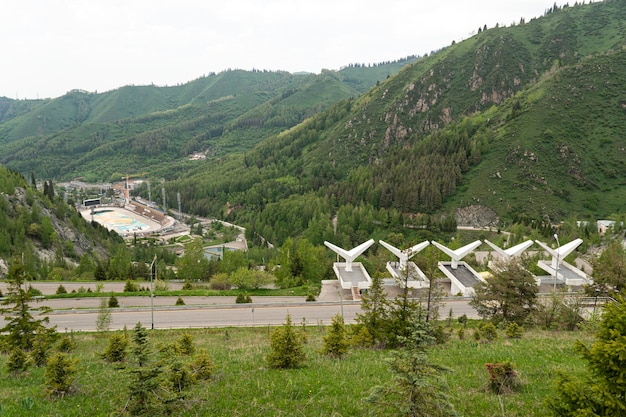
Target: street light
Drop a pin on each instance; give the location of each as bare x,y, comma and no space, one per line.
556,274
152,289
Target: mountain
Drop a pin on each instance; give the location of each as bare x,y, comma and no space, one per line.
525,121
520,122
155,129
46,232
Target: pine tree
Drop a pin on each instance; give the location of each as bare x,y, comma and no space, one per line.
22,327
140,344
375,306
60,373
287,347
417,388
601,391
336,340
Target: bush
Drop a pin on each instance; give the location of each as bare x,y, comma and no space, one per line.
461,333
67,344
185,344
113,303
59,375
220,282
41,348
514,331
287,347
131,286
160,285
116,351
61,289
201,366
310,297
488,331
503,377
336,341
180,301
243,299
360,337
18,361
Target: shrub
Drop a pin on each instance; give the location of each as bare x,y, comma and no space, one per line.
336,341
287,347
185,344
59,375
243,299
220,282
310,297
514,331
503,377
160,285
41,348
67,344
131,286
360,337
61,289
477,336
488,331
180,301
461,333
116,351
201,366
179,376
113,303
18,361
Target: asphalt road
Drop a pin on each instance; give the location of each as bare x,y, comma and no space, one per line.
225,315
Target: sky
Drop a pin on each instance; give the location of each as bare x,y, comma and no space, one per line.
50,47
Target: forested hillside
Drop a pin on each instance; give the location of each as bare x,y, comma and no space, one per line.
45,232
526,120
155,129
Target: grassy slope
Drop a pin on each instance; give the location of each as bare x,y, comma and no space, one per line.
243,385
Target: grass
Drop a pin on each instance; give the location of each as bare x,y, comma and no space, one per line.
293,291
243,384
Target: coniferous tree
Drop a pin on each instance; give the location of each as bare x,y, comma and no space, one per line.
416,388
600,392
509,295
22,327
287,347
60,374
375,306
336,340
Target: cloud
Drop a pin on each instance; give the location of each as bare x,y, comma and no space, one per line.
52,46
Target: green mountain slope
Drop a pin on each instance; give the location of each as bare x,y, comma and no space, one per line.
526,120
46,232
148,128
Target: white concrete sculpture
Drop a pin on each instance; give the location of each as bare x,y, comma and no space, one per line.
350,255
561,252
406,254
513,251
457,254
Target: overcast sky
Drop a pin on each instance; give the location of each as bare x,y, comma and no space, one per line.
52,46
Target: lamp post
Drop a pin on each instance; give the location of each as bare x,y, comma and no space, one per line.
556,271
152,265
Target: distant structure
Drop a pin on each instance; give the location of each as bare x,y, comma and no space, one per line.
561,272
352,275
512,252
462,276
416,278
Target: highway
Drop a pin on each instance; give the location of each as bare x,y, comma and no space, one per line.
224,315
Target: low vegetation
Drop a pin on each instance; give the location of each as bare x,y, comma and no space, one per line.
242,382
